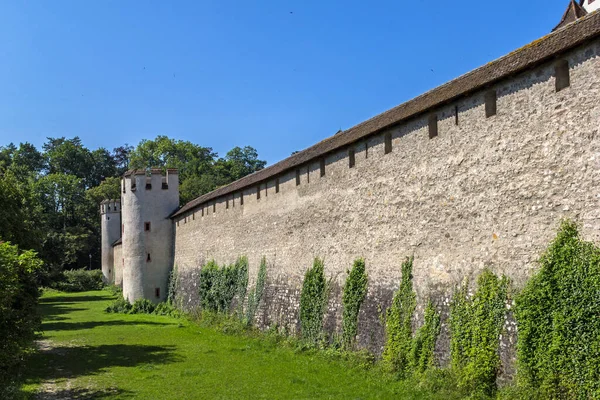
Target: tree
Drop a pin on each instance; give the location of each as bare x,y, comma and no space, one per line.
18,303
121,156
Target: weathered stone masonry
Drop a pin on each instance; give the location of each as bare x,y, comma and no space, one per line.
486,191
475,173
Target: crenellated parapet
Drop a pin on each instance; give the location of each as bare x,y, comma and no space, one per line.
152,179
110,207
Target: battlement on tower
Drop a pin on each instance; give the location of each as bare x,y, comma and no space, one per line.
152,179
110,206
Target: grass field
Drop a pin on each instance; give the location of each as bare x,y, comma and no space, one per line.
86,353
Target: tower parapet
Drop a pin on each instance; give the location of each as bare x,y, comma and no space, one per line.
149,198
110,224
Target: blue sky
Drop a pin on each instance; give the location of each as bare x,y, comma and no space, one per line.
276,75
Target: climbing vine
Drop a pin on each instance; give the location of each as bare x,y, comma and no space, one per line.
398,323
218,286
256,292
355,290
313,301
241,268
423,345
172,286
476,324
558,318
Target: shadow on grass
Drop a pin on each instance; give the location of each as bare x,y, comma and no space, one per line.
63,362
85,394
75,326
75,299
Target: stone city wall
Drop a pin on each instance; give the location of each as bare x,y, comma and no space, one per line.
486,192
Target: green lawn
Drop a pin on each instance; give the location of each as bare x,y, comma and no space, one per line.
87,353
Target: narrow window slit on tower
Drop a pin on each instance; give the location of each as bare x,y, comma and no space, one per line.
388,143
242,199
277,185
148,259
148,186
433,126
193,216
366,149
147,226
455,115
322,166
258,192
561,72
157,292
202,211
491,99
227,204
308,174
351,158
297,177
215,207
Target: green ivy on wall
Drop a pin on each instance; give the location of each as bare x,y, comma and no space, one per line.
475,325
256,292
313,301
558,319
398,323
355,290
423,346
219,285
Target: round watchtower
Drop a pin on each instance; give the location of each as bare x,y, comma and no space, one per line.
149,198
110,216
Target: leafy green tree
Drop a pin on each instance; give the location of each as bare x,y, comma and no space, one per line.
110,188
18,302
121,155
68,156
103,166
18,214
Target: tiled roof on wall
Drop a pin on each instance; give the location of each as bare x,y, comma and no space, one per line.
524,58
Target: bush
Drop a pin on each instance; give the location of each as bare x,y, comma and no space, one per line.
166,309
313,301
19,320
355,290
119,306
80,280
558,320
142,306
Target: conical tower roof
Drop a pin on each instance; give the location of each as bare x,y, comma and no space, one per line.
573,13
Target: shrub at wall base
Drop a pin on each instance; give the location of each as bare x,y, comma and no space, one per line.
475,326
355,291
313,301
18,301
558,318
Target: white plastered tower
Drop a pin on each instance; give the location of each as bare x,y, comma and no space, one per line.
149,198
590,5
110,224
